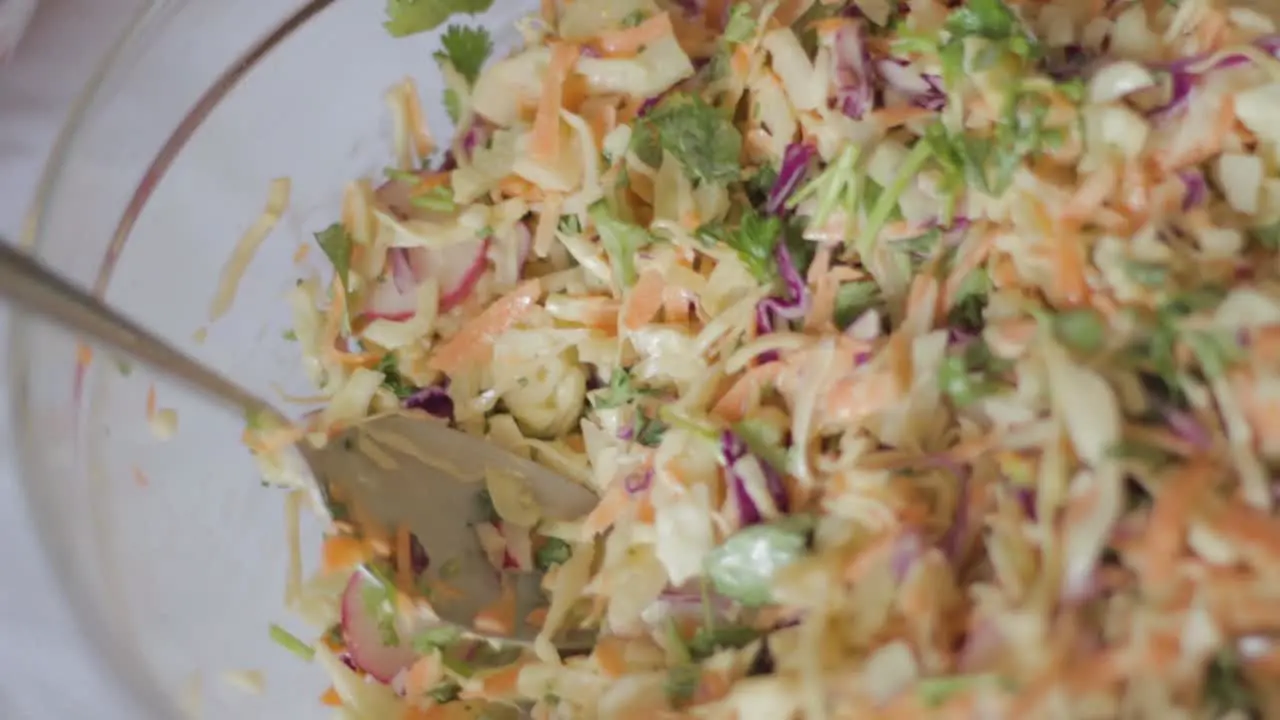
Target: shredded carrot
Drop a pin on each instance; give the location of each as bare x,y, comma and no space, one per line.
151,402
610,655
606,514
973,257
742,397
714,14
545,144
423,143
330,698
645,300
423,675
899,115
516,186
537,617
340,552
474,342
629,41
499,618
404,559
428,181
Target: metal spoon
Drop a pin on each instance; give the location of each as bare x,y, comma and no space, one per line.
398,470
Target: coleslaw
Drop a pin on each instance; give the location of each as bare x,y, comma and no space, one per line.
925,357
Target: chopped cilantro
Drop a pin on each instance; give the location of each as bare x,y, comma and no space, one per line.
408,17
754,239
741,25
569,224
764,441
553,552
1213,351
703,139
621,239
706,641
935,691
681,683
839,185
393,380
337,244
620,391
966,376
290,335
435,638
445,692
453,105
439,199
853,299
1082,330
466,48
1147,274
649,430
399,175
1267,236
1225,687
290,642
634,18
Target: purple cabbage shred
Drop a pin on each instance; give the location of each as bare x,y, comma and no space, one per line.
795,163
433,400
855,92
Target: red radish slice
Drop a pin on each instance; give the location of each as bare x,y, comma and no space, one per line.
457,268
519,546
401,270
364,640
386,301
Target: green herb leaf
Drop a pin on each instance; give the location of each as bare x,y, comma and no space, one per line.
290,642
445,692
755,239
466,48
408,17
1267,236
453,105
289,335
553,552
741,25
337,244
570,225
649,429
621,239
966,377
704,140
707,641
634,18
1082,330
1151,275
617,393
1225,687
392,379
853,299
1214,352
764,441
681,683
935,691
985,18
744,566
438,199
435,638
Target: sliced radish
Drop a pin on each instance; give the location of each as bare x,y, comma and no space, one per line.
386,301
457,268
363,637
401,270
519,546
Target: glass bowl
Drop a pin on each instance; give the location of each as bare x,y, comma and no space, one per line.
171,554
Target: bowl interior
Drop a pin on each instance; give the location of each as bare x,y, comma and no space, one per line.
172,553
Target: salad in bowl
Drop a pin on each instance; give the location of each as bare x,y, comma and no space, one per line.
920,354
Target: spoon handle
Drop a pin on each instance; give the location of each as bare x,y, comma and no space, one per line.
28,284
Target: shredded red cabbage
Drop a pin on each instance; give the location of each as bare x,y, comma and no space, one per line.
1069,63
1186,426
401,270
433,400
735,451
795,163
1197,189
855,91
1183,80
637,482
773,310
920,90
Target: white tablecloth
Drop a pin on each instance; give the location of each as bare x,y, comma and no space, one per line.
45,671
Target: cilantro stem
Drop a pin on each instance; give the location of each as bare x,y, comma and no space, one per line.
290,642
888,199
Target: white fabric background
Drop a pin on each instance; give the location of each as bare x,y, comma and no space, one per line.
45,672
